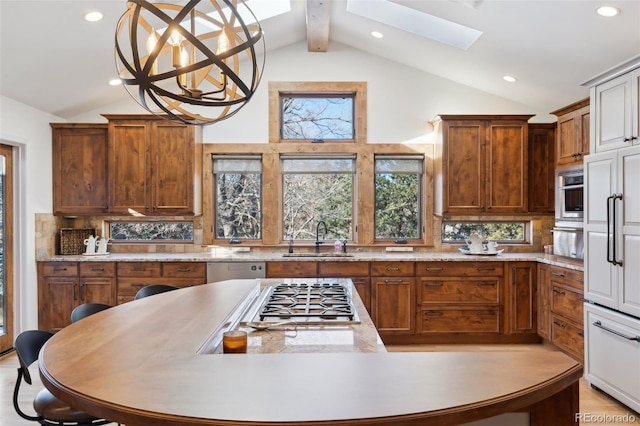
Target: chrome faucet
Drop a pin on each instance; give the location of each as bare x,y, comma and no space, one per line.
318,242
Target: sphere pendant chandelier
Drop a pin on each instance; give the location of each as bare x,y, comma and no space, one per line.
197,64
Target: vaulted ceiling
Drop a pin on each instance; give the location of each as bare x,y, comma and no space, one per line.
55,61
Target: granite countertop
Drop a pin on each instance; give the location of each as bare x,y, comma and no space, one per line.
231,255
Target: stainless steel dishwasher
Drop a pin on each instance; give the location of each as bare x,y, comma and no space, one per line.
220,271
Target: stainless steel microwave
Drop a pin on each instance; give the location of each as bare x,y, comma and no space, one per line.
570,195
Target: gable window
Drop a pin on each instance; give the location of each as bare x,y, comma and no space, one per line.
317,117
318,188
398,201
238,193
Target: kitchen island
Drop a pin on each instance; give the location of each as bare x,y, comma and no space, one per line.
145,362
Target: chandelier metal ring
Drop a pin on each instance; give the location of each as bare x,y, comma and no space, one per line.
198,64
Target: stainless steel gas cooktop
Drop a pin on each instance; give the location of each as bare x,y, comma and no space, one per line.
310,301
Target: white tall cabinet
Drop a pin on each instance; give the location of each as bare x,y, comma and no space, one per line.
612,235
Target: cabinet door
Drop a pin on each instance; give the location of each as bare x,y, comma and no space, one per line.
129,166
614,113
507,153
601,276
393,304
541,170
172,168
583,117
463,166
522,298
62,295
544,324
97,290
363,287
629,227
79,169
566,144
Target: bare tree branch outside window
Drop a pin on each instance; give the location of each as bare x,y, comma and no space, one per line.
319,117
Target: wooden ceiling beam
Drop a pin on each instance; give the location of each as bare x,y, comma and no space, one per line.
318,17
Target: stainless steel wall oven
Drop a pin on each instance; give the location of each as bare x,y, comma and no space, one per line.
570,196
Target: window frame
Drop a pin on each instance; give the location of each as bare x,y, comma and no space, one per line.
246,156
356,90
421,201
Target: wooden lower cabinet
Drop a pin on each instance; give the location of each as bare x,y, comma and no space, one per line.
132,276
544,314
566,303
64,285
393,295
522,298
357,271
292,269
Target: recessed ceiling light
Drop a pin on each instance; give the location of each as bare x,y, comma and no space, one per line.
92,16
509,78
377,34
115,82
607,11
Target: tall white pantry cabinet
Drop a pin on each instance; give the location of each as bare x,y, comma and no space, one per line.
612,235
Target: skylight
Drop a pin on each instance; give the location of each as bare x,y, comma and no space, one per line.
415,22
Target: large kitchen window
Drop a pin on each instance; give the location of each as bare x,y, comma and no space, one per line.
238,195
318,188
398,200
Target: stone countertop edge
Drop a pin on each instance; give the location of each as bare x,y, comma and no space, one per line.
575,264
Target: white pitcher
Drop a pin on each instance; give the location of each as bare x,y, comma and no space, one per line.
91,245
102,245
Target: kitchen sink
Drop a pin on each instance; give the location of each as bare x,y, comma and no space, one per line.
317,255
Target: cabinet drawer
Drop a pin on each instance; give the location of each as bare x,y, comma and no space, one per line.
456,290
60,269
567,302
98,269
459,269
139,269
130,286
567,336
567,276
392,269
292,269
460,319
343,269
184,270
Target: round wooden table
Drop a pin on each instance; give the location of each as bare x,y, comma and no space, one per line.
139,363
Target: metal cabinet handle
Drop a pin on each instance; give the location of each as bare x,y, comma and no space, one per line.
183,270
480,268
581,334
97,269
559,324
138,269
486,313
75,292
431,268
558,274
59,269
580,280
433,313
83,290
562,293
398,281
485,283
581,299
434,284
389,268
617,333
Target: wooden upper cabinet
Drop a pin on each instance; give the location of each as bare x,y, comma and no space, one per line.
484,164
572,133
155,167
79,178
542,145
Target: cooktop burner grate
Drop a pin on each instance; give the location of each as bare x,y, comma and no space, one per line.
323,301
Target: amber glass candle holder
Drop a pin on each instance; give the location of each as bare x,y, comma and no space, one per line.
234,342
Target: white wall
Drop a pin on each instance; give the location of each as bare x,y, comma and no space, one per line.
28,129
401,101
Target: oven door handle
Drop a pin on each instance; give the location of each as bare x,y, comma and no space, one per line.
615,230
617,333
609,208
